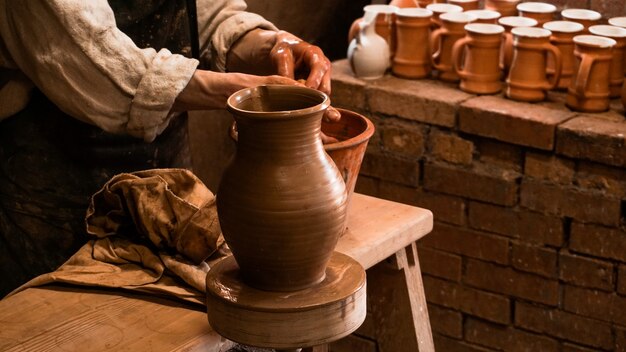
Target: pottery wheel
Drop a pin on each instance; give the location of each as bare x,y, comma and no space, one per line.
326,312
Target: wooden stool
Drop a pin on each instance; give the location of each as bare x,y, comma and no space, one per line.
317,315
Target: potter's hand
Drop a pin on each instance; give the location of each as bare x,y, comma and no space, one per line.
209,90
265,52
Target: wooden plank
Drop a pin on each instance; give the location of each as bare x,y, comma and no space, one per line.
378,228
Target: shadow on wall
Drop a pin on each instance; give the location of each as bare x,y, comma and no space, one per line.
324,23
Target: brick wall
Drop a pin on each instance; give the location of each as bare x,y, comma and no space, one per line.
529,247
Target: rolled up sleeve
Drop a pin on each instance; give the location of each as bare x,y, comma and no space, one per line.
220,24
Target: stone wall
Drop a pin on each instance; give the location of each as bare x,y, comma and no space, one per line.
529,247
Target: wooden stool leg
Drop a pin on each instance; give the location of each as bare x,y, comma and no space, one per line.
391,289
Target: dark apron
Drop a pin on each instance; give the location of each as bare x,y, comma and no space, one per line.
51,163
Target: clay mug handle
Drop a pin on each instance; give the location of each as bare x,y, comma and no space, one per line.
457,51
507,51
435,45
584,70
558,64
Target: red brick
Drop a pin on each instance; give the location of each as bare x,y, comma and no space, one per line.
507,338
598,241
528,226
485,305
445,208
388,168
446,344
428,101
621,280
450,148
398,193
504,280
445,321
505,155
533,259
620,339
440,264
479,183
347,91
584,206
557,323
610,180
549,168
510,121
402,138
596,304
586,272
468,243
353,343
609,8
593,139
367,185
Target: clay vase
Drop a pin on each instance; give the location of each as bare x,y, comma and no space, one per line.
412,59
467,5
619,22
510,22
353,132
384,23
485,16
282,201
505,7
440,9
476,58
589,90
541,11
443,39
527,79
563,33
617,64
368,53
585,17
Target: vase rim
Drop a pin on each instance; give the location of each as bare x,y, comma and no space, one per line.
358,139
319,101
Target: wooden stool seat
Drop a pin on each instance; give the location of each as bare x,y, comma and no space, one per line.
317,315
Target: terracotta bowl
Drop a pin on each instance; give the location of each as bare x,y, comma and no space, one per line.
353,132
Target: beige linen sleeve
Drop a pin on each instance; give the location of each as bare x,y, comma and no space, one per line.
220,24
73,52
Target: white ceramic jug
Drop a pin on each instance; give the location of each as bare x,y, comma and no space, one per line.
368,52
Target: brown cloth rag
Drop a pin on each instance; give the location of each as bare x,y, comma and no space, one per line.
154,231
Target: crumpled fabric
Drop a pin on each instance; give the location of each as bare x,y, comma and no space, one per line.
154,232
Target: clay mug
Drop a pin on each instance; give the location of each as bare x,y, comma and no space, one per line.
617,64
619,22
282,202
443,39
368,52
563,33
541,11
505,7
476,58
589,89
510,22
384,23
424,3
438,10
585,17
485,16
465,4
412,59
527,79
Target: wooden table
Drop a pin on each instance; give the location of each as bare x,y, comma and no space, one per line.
381,236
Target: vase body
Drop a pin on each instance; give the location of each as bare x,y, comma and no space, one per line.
282,201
